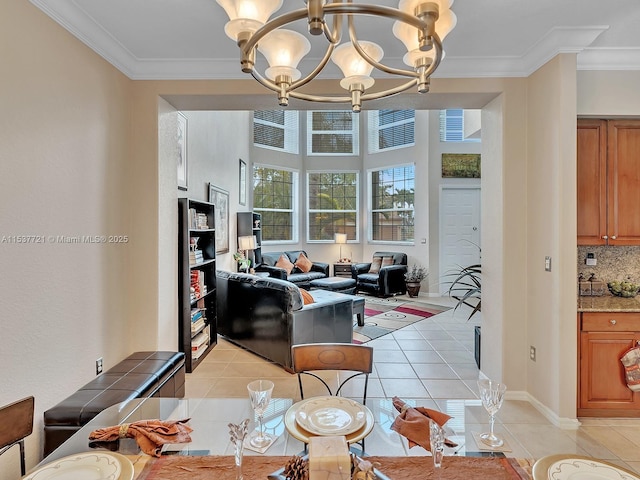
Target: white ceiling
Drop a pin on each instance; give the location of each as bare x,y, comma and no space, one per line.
184,39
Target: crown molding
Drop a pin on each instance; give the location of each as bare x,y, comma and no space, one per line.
558,40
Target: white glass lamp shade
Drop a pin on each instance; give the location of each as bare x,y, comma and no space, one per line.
247,242
341,237
409,6
355,68
283,50
247,15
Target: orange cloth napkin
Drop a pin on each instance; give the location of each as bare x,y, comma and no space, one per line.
150,435
413,423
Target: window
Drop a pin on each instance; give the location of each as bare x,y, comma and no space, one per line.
391,129
332,205
332,132
392,197
452,126
274,196
276,130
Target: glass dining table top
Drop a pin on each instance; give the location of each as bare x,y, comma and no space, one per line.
210,417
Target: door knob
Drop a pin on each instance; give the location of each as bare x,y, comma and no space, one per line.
605,237
613,237
613,321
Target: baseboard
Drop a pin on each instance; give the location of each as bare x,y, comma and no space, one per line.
560,422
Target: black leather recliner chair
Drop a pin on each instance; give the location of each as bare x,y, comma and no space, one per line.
388,281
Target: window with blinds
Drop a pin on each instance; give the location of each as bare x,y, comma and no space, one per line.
452,126
391,129
332,205
276,130
332,132
275,197
392,204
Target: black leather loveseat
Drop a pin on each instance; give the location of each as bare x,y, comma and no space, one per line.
267,315
300,278
389,280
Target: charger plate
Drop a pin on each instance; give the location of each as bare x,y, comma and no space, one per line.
86,466
331,415
578,467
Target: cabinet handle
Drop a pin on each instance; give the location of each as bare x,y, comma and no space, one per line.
613,237
605,237
613,321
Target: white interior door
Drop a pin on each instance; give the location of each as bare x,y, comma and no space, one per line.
459,230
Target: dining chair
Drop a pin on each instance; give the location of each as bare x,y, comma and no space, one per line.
17,423
310,358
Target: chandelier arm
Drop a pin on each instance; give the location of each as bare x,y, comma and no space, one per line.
437,44
371,61
335,36
265,81
316,71
333,9
390,91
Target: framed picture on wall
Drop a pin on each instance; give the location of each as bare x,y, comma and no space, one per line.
460,165
242,183
220,198
183,172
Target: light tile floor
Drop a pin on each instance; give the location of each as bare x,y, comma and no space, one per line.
430,363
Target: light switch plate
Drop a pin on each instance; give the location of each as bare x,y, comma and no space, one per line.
547,264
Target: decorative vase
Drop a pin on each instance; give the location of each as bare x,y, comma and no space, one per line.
413,288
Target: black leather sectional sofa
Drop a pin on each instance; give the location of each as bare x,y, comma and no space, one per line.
267,315
301,279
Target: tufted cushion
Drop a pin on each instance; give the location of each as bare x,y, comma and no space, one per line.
306,297
303,263
375,265
285,263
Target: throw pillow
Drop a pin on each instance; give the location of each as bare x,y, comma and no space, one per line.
303,263
306,297
284,262
375,265
387,261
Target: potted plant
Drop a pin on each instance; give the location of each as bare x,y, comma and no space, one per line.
466,288
413,277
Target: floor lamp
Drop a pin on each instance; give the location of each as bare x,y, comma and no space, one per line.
246,243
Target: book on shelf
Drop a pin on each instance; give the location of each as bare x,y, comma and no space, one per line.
201,339
197,326
195,256
197,283
197,313
202,221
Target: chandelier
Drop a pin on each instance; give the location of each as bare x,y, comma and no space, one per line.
421,25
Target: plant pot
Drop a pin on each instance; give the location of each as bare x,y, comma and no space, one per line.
413,288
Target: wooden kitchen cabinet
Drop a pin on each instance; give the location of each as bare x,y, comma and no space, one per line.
602,389
608,187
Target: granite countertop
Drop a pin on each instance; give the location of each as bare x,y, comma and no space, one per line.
608,303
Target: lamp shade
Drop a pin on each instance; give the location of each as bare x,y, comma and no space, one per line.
283,50
247,15
247,242
355,68
341,237
409,36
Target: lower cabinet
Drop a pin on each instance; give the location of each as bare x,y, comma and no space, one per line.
602,389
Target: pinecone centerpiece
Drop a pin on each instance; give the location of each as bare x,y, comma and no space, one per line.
297,468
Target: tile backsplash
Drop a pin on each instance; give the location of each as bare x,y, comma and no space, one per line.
613,263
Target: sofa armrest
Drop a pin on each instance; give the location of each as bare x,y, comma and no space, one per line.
358,268
274,272
320,267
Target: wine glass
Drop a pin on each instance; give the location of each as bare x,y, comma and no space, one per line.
260,394
492,395
436,440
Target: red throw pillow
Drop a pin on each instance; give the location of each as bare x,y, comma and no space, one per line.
375,265
303,263
284,262
306,297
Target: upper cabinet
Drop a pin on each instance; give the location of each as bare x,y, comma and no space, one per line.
608,182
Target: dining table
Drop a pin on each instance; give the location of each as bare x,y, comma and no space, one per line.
210,453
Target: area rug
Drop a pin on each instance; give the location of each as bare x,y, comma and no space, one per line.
385,315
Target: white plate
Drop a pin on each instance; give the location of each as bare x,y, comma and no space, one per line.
81,466
586,469
331,416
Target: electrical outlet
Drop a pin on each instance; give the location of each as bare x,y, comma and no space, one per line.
99,366
532,353
547,264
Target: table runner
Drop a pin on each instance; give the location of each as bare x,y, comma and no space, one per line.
184,467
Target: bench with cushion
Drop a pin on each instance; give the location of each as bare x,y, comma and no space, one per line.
141,374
